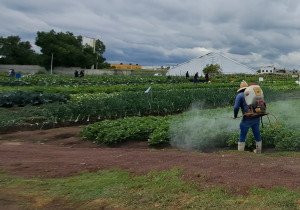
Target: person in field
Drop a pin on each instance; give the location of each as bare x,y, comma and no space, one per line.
76,74
81,73
187,75
196,78
206,77
247,121
11,73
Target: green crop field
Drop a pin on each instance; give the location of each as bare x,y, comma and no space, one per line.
167,114
43,101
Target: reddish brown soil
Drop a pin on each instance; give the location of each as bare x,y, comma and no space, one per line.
60,152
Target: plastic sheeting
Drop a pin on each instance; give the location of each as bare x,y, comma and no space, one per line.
228,65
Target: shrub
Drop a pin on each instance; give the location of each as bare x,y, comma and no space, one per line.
288,140
273,136
160,135
111,132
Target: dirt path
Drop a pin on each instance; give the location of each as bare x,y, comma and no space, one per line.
60,152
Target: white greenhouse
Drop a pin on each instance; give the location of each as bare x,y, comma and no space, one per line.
228,65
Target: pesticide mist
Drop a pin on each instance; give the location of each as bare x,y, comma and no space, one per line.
210,128
286,112
203,129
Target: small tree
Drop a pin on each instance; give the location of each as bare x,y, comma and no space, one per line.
212,69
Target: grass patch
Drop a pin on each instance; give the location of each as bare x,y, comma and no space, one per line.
119,189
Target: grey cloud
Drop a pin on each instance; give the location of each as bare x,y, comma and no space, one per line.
159,32
39,7
240,50
271,54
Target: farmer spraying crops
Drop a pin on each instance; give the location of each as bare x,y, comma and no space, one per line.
250,100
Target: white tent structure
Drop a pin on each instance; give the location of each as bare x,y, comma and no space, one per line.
228,65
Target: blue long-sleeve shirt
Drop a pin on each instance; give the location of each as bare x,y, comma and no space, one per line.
240,102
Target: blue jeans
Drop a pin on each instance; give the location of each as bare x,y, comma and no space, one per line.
250,123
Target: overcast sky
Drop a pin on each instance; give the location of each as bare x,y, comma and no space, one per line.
166,32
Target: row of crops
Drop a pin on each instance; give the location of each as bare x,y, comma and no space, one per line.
43,101
83,108
185,130
62,80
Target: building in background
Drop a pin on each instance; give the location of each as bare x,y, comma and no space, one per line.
271,69
267,69
89,41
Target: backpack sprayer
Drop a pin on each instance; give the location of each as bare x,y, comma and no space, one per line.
254,98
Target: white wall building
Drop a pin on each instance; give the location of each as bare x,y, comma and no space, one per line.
89,41
267,69
271,69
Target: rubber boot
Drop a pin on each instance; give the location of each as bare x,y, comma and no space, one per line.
258,147
241,146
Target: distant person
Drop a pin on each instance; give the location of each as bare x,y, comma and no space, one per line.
76,73
196,78
81,73
206,77
187,75
11,73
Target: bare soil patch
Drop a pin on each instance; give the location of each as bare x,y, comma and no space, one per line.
60,152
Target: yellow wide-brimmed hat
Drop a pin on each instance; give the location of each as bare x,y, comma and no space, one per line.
243,86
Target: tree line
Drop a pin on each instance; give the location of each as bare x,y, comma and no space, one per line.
67,49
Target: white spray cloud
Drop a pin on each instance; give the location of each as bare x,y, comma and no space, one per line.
203,129
287,112
210,128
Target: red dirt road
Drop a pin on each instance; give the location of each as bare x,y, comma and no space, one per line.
60,152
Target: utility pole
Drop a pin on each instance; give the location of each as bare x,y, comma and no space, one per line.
51,62
94,46
97,61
